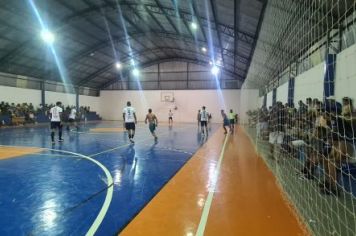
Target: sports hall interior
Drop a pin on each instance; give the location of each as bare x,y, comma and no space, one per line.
253,99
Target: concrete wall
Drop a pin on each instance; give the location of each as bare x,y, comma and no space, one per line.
188,102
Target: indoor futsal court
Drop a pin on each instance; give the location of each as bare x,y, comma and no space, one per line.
178,117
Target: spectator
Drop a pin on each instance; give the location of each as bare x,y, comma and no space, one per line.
347,107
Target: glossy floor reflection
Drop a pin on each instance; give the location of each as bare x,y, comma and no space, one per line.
61,189
246,198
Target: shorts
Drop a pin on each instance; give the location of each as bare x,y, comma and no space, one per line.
56,124
226,122
70,120
130,126
232,121
276,137
170,118
152,127
203,123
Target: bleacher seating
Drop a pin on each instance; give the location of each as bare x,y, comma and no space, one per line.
5,119
92,116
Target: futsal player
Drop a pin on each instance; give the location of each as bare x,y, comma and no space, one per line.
232,120
72,119
204,116
152,122
225,121
170,117
198,118
56,113
130,120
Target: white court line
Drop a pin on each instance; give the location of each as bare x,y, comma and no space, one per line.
209,199
99,218
129,144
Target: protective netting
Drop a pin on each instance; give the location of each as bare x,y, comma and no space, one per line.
296,35
306,127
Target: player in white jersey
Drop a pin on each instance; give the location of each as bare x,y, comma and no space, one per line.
72,119
170,118
56,113
204,117
129,115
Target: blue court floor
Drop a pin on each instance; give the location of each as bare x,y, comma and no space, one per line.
93,183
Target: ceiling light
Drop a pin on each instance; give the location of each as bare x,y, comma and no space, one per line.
204,49
135,72
215,70
194,25
47,36
118,65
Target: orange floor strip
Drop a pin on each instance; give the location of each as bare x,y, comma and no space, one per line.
10,152
107,130
247,200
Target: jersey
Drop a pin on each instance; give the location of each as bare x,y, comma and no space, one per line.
204,115
55,114
170,114
232,116
73,114
129,114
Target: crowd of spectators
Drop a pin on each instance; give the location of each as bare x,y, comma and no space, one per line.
324,130
26,113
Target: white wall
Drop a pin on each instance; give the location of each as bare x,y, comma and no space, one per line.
282,93
65,98
269,99
20,95
345,81
310,84
249,101
188,103
260,101
92,102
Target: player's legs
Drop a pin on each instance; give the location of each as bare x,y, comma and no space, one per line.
225,131
52,131
232,126
204,128
127,127
60,127
152,128
76,125
131,130
69,124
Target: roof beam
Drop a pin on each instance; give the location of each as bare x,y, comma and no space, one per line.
181,17
67,20
108,67
236,27
166,15
186,38
216,20
258,30
162,60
